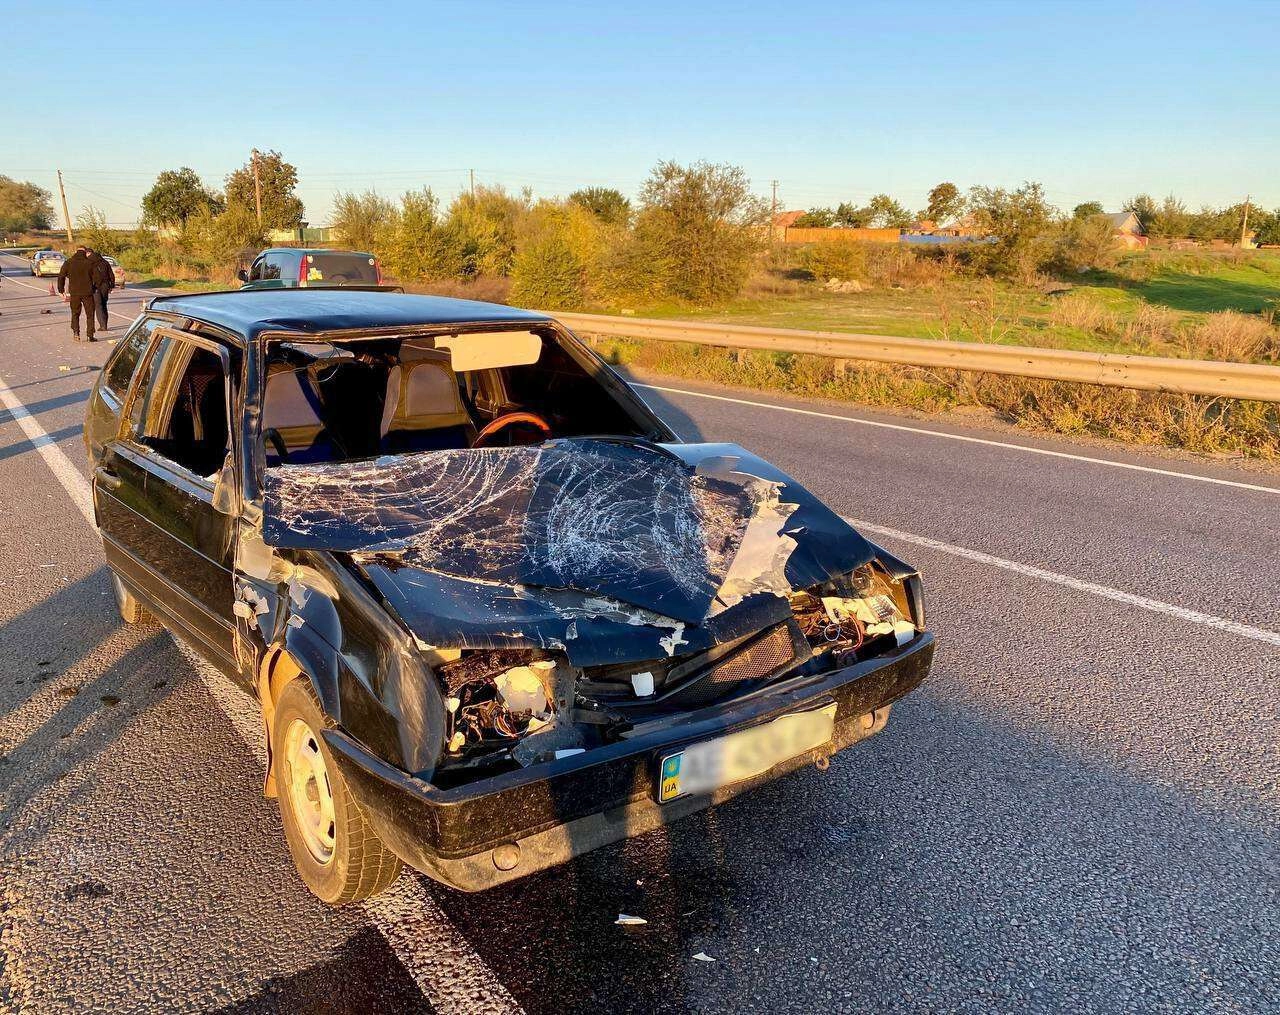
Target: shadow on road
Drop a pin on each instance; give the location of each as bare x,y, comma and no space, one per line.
364,976
948,859
685,426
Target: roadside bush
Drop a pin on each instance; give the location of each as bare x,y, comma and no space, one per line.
835,259
558,243
360,218
702,227
1228,335
1083,310
415,244
215,240
486,224
1085,242
91,228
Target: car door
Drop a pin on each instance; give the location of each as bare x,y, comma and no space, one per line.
168,490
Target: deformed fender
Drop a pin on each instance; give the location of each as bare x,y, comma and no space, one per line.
365,671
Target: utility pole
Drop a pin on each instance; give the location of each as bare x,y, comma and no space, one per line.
66,215
1244,226
473,184
257,186
773,215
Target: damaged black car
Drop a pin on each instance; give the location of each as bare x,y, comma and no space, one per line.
495,614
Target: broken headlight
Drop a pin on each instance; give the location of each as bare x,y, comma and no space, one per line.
843,615
498,696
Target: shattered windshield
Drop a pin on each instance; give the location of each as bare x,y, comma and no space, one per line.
364,398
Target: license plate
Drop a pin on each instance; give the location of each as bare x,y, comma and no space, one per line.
706,767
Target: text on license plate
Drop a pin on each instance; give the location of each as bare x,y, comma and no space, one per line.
705,767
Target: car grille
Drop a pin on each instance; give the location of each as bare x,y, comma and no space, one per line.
761,658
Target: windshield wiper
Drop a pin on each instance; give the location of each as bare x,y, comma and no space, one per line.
628,440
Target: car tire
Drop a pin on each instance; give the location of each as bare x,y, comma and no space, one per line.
131,610
334,847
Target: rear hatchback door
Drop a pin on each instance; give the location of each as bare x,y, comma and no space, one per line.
340,267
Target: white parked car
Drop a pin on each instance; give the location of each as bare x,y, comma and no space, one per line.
116,270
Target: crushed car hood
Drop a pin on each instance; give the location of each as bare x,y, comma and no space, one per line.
607,550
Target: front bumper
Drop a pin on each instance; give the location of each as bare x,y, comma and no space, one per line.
551,812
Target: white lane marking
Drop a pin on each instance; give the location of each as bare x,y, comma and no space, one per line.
448,971
59,464
1092,588
961,437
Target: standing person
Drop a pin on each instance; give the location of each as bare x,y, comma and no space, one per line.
76,280
104,280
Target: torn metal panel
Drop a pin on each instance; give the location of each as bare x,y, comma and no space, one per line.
683,531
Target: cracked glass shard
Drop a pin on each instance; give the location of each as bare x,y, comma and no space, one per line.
625,522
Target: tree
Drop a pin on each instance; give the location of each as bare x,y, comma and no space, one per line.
702,226
605,203
360,218
883,212
1267,226
91,228
945,203
1087,210
1021,223
1145,208
852,217
816,218
281,207
24,206
176,195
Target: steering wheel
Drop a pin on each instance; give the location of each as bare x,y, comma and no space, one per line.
510,419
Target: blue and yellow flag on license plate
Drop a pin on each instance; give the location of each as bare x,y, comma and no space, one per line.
670,778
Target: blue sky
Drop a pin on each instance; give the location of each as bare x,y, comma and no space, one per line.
836,101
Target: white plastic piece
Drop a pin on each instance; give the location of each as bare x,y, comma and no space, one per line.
624,920
566,752
904,631
642,683
703,957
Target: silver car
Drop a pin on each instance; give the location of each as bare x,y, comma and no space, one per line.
47,262
116,270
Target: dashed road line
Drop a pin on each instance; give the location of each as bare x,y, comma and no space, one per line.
1092,588
962,437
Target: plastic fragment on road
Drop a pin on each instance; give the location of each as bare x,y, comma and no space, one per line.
703,957
624,920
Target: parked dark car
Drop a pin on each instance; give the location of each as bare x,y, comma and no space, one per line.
292,267
494,612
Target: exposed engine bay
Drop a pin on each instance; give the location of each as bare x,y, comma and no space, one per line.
511,708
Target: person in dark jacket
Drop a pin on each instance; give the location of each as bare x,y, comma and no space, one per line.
104,280
76,280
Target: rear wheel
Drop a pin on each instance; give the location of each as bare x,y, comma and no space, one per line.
338,854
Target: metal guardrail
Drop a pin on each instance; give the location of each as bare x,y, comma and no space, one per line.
1148,373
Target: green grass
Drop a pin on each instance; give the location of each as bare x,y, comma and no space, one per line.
974,310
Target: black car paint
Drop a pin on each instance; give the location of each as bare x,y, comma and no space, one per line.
201,565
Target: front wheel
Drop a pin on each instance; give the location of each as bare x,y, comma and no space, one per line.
336,850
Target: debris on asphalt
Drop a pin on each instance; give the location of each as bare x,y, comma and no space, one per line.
110,700
624,920
703,957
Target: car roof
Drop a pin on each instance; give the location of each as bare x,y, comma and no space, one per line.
250,312
314,250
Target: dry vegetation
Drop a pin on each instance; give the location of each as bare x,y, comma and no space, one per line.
1193,423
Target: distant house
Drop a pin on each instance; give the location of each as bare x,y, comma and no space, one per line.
1127,229
784,220
966,225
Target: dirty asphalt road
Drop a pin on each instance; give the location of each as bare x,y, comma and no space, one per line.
1078,812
